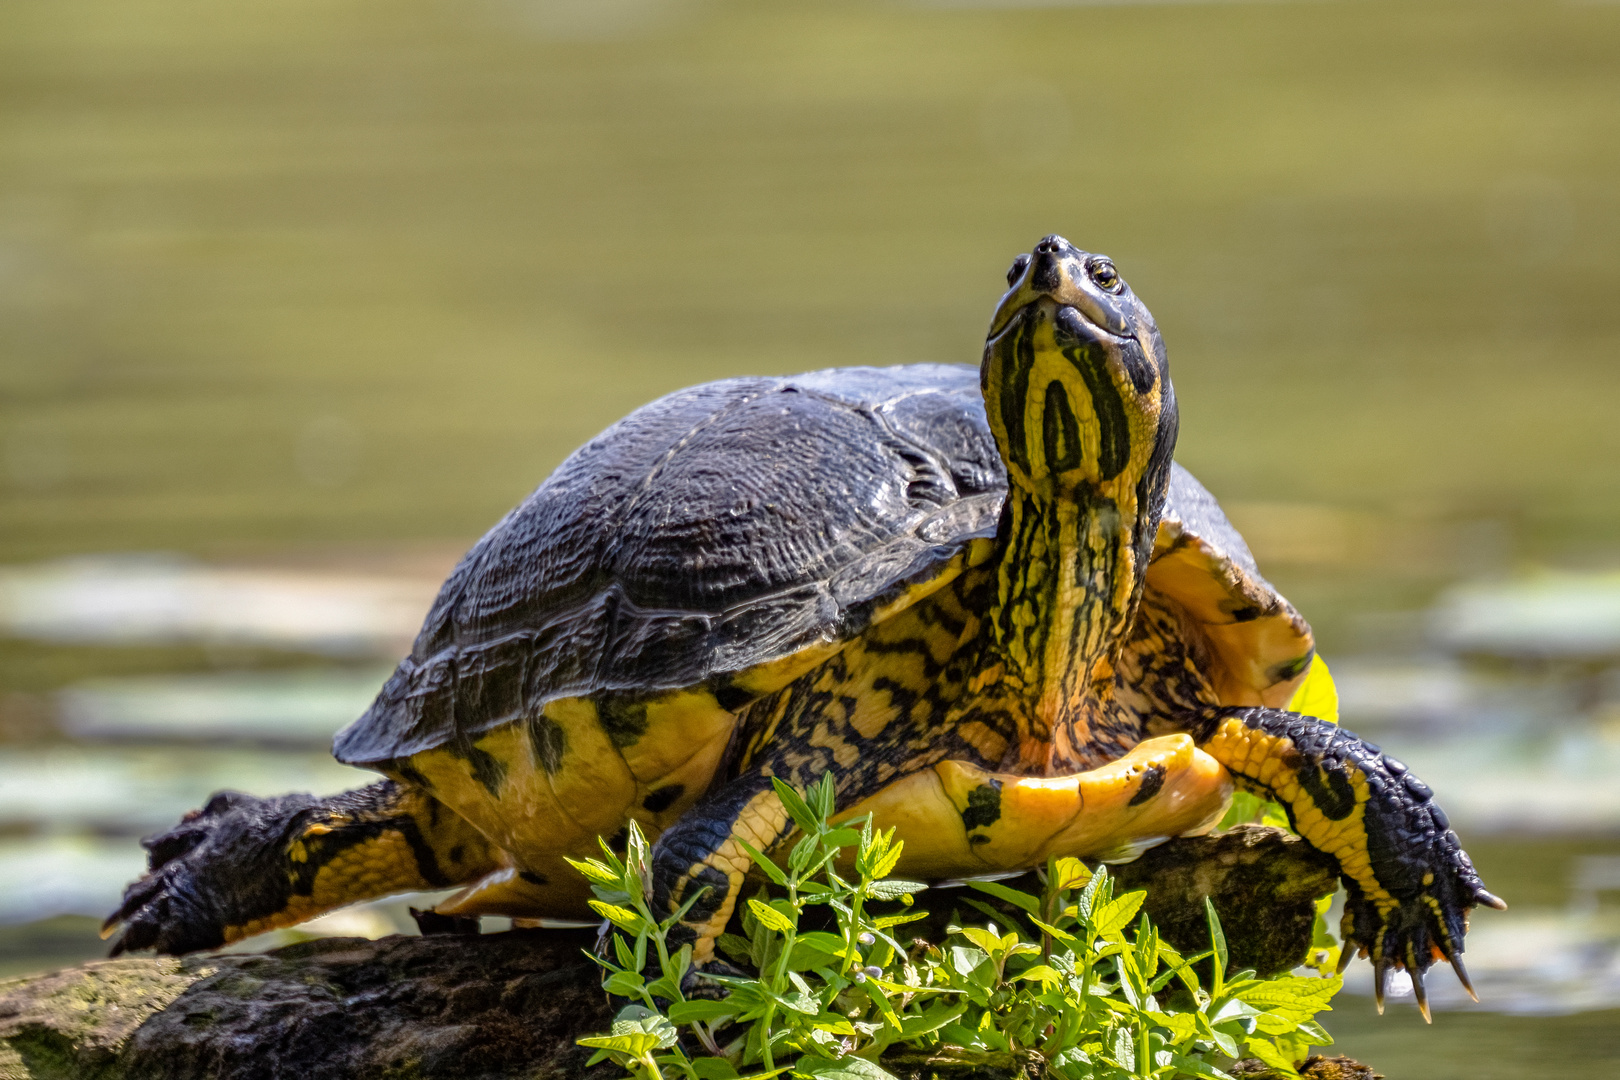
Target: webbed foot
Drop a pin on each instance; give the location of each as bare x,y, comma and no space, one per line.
207,876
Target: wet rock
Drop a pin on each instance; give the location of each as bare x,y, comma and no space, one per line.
508,1006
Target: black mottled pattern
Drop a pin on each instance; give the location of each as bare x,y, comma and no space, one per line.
1060,430
983,806
1152,784
548,742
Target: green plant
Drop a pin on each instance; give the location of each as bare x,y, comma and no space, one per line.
1087,986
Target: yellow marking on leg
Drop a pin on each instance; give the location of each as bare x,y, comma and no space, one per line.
759,823
1273,763
379,866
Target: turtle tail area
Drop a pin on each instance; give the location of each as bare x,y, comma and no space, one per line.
243,865
1410,884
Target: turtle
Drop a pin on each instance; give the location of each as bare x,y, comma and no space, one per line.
985,599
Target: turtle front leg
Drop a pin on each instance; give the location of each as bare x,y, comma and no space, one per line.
699,856
1410,883
243,865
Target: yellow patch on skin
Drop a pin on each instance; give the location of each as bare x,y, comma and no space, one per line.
987,742
377,867
1083,814
1245,654
759,824
1272,762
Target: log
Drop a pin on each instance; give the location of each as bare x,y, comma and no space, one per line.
510,1005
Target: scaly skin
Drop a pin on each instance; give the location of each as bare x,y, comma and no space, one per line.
242,865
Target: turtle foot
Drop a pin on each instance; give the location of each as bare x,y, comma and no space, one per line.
1411,932
194,872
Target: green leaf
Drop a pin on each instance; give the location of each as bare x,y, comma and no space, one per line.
1293,992
965,960
1316,1033
801,814
846,1068
824,795
713,1068
893,888
1198,1067
770,918
841,838
800,856
886,921
635,1044
984,939
1012,896
769,868
1069,874
701,1010
885,866
1117,914
1061,935
1124,1049
623,918
1217,940
1042,972
738,948
625,984
1266,1052
595,871
932,1018
1088,895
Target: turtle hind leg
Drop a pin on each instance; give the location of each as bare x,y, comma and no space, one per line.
243,865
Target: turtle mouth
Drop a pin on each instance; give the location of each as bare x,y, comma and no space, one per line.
1069,322
1072,321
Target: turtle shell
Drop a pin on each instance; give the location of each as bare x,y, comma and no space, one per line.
726,528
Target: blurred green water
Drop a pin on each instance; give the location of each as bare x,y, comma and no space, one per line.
324,271
292,274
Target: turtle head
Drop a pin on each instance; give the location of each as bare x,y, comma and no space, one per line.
1075,379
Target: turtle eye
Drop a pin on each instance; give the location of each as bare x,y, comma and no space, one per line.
1103,273
1017,269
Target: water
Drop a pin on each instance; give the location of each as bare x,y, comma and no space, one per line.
296,299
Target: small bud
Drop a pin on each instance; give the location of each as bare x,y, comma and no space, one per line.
860,976
866,939
873,971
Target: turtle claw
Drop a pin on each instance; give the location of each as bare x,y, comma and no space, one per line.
1462,976
1422,995
1381,968
215,870
1489,899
